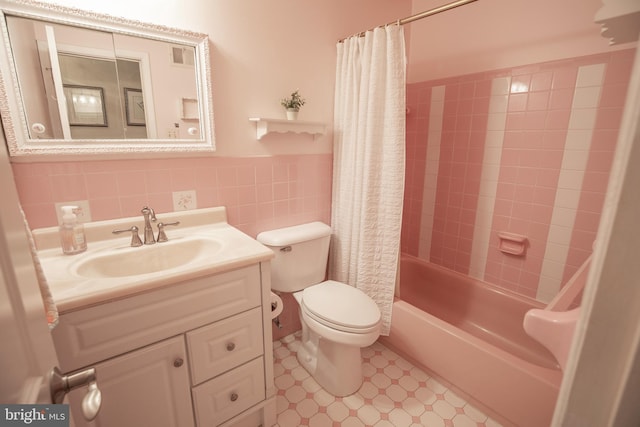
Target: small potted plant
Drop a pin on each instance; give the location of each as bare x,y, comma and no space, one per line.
293,104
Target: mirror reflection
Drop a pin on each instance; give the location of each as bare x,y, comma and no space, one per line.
84,84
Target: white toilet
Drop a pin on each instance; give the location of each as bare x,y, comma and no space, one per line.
337,319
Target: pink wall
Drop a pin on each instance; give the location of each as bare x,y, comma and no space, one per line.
534,153
259,193
260,52
499,34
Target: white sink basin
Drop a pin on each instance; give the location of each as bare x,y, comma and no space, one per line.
203,244
147,259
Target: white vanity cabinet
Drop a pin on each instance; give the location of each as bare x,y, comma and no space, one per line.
146,387
194,353
227,367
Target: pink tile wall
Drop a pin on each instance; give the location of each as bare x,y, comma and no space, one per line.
417,124
260,193
537,122
603,145
538,112
464,127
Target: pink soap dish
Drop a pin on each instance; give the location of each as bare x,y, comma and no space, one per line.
511,243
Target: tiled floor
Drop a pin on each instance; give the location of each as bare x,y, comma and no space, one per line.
395,393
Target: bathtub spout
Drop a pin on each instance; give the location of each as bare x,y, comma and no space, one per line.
553,329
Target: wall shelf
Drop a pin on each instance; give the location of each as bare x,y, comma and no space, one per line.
266,126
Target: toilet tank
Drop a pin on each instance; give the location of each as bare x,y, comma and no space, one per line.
301,254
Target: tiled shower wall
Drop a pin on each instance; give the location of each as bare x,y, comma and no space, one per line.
527,151
260,193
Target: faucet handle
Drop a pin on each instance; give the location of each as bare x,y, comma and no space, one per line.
162,236
135,237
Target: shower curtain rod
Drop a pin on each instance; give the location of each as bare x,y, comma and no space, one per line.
420,15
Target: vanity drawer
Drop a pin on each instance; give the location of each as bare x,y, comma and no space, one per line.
229,394
221,346
97,333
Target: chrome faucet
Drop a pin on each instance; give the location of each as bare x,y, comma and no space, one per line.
149,215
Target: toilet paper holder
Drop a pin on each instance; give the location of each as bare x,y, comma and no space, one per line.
276,309
277,322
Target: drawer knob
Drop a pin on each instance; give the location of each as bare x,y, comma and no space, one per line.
234,397
231,346
178,362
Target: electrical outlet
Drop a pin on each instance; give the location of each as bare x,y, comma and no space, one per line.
184,200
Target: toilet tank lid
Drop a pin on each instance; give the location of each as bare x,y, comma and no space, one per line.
296,234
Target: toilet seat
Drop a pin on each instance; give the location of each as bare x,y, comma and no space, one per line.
342,307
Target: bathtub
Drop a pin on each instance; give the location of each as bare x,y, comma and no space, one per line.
470,334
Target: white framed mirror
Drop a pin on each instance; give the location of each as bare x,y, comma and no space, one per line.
82,85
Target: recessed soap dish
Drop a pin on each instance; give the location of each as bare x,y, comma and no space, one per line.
513,244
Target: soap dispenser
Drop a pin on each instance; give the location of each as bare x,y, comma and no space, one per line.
72,236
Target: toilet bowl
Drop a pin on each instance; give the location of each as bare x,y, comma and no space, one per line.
337,319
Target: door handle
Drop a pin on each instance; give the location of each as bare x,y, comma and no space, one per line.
60,385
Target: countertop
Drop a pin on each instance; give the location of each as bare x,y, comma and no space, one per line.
72,291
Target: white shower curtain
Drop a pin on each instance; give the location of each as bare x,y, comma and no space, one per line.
369,161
